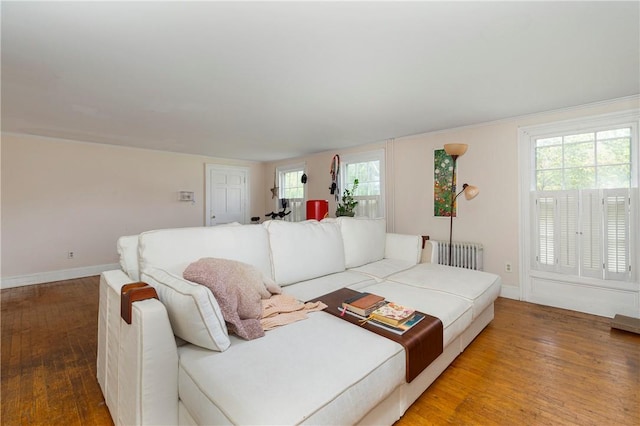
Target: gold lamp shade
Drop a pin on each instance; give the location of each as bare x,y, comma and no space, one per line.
456,149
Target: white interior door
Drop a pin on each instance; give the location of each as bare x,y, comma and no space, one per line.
227,194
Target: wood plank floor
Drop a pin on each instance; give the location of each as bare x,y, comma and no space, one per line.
49,341
533,365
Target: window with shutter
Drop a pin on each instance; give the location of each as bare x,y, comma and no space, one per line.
583,209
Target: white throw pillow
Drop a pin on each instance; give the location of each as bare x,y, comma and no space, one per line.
364,240
193,310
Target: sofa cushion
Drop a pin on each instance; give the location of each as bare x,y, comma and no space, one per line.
383,268
304,250
364,240
193,310
128,252
174,249
316,287
480,288
289,382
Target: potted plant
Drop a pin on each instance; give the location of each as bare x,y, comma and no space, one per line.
348,204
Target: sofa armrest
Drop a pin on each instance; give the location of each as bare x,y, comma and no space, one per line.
109,335
147,368
430,252
403,247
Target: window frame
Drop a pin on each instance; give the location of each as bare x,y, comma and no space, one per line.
527,137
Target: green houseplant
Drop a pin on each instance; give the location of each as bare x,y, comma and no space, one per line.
348,204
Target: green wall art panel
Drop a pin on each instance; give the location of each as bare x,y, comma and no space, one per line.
442,168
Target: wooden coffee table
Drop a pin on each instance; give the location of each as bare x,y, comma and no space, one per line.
422,342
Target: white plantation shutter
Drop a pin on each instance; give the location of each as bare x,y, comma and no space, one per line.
567,231
298,210
545,229
368,206
616,231
591,233
583,233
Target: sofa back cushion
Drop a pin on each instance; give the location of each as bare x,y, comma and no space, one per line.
364,240
128,251
174,249
304,250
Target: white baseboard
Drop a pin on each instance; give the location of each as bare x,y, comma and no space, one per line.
590,299
510,292
64,274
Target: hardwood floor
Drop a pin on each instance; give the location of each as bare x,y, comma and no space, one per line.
49,341
537,365
533,365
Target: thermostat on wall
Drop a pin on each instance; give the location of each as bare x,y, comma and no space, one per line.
186,196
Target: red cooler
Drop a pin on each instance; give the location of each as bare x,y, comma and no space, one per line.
317,209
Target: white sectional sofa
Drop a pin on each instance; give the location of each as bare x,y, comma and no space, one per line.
176,363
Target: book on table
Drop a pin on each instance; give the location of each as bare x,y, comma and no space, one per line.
400,329
392,313
363,304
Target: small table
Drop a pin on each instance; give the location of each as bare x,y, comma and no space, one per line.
422,342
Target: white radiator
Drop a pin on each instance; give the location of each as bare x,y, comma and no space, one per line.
463,254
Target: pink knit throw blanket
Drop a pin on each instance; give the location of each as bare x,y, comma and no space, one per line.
282,309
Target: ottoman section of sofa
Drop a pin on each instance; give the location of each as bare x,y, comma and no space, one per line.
282,378
454,312
480,288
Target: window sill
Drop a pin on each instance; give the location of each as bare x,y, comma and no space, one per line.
588,281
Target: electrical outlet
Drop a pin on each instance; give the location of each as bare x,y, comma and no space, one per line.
69,255
507,267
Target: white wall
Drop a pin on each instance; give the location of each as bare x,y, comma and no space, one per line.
60,196
491,163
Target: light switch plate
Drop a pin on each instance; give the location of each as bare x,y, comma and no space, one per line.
186,196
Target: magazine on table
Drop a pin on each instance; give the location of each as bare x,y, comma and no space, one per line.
393,314
400,329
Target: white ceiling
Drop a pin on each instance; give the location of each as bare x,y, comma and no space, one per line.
265,81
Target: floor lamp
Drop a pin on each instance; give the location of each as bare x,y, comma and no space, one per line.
455,150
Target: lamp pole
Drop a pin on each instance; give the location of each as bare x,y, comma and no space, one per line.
453,200
455,150
464,188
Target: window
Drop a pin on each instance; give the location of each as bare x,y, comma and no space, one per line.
292,192
597,159
583,200
368,168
